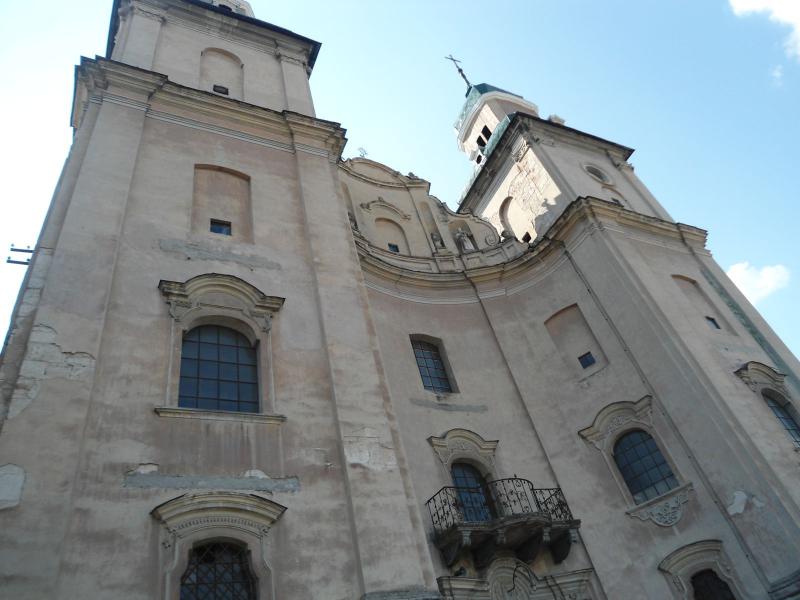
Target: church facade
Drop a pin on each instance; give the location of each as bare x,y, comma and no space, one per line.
242,367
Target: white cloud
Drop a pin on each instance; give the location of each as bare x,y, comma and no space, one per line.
777,75
756,284
786,12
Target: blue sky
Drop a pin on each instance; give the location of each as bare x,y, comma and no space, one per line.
707,92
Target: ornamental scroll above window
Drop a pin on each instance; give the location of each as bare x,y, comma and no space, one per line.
625,434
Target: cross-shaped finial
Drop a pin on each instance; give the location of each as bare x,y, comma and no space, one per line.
457,63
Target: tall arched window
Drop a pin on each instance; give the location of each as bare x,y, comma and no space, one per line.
218,370
642,466
706,585
471,492
218,571
780,409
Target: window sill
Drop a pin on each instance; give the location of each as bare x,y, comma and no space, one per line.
217,415
664,510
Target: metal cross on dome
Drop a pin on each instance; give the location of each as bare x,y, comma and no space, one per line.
457,63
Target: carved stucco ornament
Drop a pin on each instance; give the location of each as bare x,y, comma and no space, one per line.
464,444
758,376
216,294
665,510
381,203
614,417
684,562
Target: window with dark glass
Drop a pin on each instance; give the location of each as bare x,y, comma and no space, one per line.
706,585
220,89
642,466
471,492
586,360
218,370
223,227
394,248
218,571
486,132
431,367
481,142
712,322
784,417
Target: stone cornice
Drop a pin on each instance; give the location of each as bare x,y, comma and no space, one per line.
208,19
401,181
581,217
101,79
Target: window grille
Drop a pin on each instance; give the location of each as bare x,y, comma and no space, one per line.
218,571
218,370
431,367
643,467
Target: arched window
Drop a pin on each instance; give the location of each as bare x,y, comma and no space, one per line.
431,366
706,585
471,492
642,466
218,571
779,408
218,370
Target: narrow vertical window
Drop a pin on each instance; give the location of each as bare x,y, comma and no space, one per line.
643,467
218,370
218,571
431,367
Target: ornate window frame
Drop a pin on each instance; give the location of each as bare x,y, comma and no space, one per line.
226,300
683,563
614,421
201,517
764,381
463,445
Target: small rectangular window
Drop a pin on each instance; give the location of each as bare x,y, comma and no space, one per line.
221,89
223,227
481,142
586,360
487,133
526,238
712,322
394,248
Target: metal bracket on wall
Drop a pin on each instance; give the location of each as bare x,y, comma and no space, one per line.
26,250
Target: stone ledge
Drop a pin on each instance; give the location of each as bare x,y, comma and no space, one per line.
176,412
664,510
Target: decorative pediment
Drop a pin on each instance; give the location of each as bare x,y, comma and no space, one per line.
684,562
759,376
614,417
218,294
462,443
189,513
380,203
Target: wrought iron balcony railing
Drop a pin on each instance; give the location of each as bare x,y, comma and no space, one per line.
495,500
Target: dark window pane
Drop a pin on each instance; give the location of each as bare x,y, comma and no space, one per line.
226,358
643,466
247,392
188,367
248,406
228,354
247,356
207,403
188,386
228,372
228,390
228,336
209,388
247,373
209,369
208,351
208,333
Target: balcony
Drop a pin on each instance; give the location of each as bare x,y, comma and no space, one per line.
505,514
